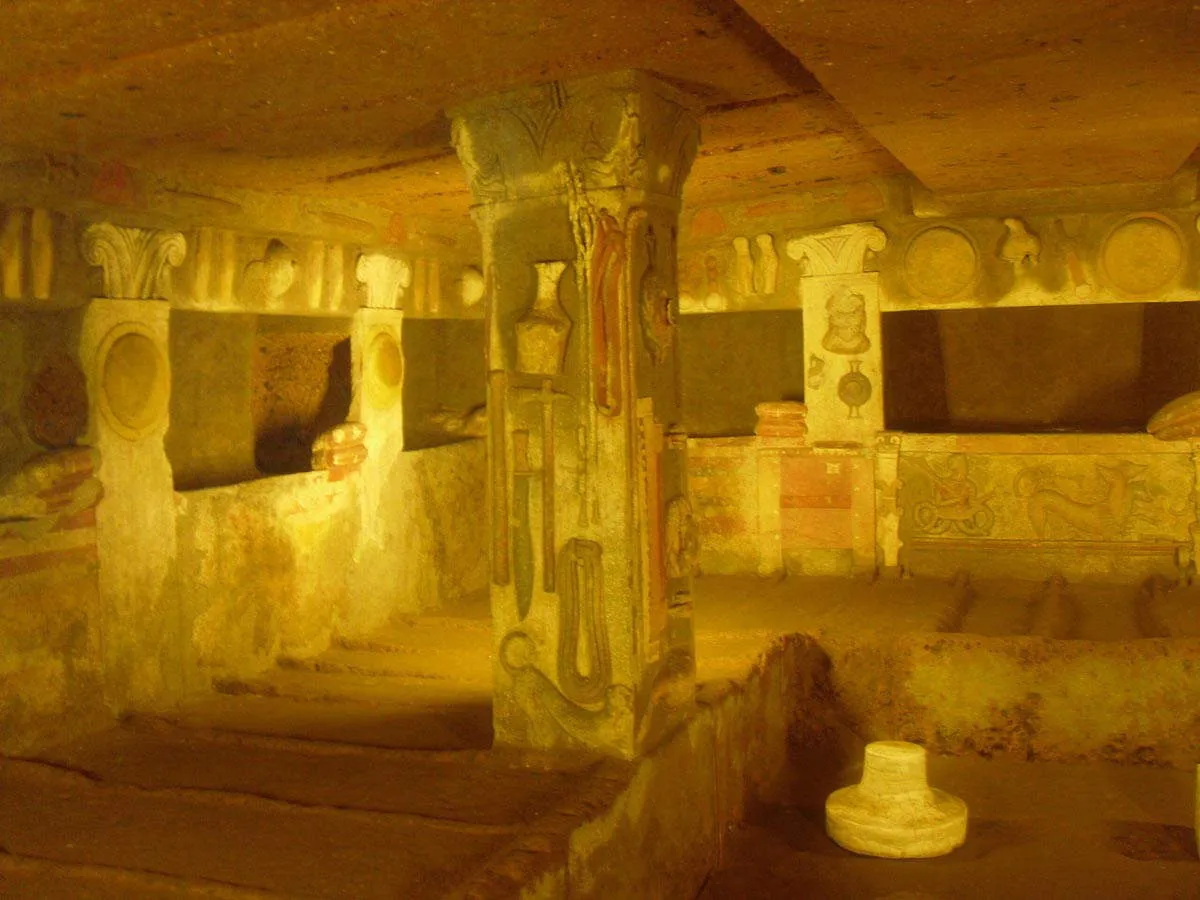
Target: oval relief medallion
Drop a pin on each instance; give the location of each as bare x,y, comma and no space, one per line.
384,370
1142,255
940,263
134,387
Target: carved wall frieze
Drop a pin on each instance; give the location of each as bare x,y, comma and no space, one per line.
1143,254
135,262
26,253
1022,247
1046,499
940,263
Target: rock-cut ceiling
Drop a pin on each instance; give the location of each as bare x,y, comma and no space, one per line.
345,99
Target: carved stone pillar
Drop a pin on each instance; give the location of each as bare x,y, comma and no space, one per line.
844,365
577,190
377,356
887,502
124,351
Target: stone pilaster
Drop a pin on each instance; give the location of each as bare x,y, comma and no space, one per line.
577,190
844,365
124,351
887,502
377,367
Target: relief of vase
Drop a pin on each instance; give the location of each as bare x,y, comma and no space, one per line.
543,331
854,388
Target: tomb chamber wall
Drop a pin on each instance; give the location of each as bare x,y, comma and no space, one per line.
202,456
979,375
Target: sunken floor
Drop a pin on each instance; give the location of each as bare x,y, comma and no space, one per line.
366,772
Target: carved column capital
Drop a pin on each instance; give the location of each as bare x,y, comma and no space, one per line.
837,251
385,277
135,261
622,130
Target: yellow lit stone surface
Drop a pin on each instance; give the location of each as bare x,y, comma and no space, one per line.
532,449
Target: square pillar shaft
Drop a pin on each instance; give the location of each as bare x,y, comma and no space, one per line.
577,189
124,350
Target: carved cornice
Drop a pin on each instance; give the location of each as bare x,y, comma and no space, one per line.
135,262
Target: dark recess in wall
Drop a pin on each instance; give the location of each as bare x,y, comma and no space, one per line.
729,362
445,379
1089,368
914,373
1170,353
302,386
210,439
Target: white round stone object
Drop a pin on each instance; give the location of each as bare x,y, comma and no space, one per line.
893,812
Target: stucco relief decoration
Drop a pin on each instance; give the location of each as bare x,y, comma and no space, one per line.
839,251
385,278
485,171
473,287
940,263
1067,238
1177,421
814,375
601,256
1044,499
267,279
383,369
756,269
682,145
597,725
340,449
683,539
584,661
1143,255
55,406
625,159
135,263
946,498
1105,504
47,490
134,381
1021,247
543,331
26,253
854,389
538,116
656,306
846,331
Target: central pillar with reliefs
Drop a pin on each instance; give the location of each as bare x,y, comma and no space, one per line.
577,192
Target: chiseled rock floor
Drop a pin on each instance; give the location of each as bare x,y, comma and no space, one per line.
362,773
365,772
1035,830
